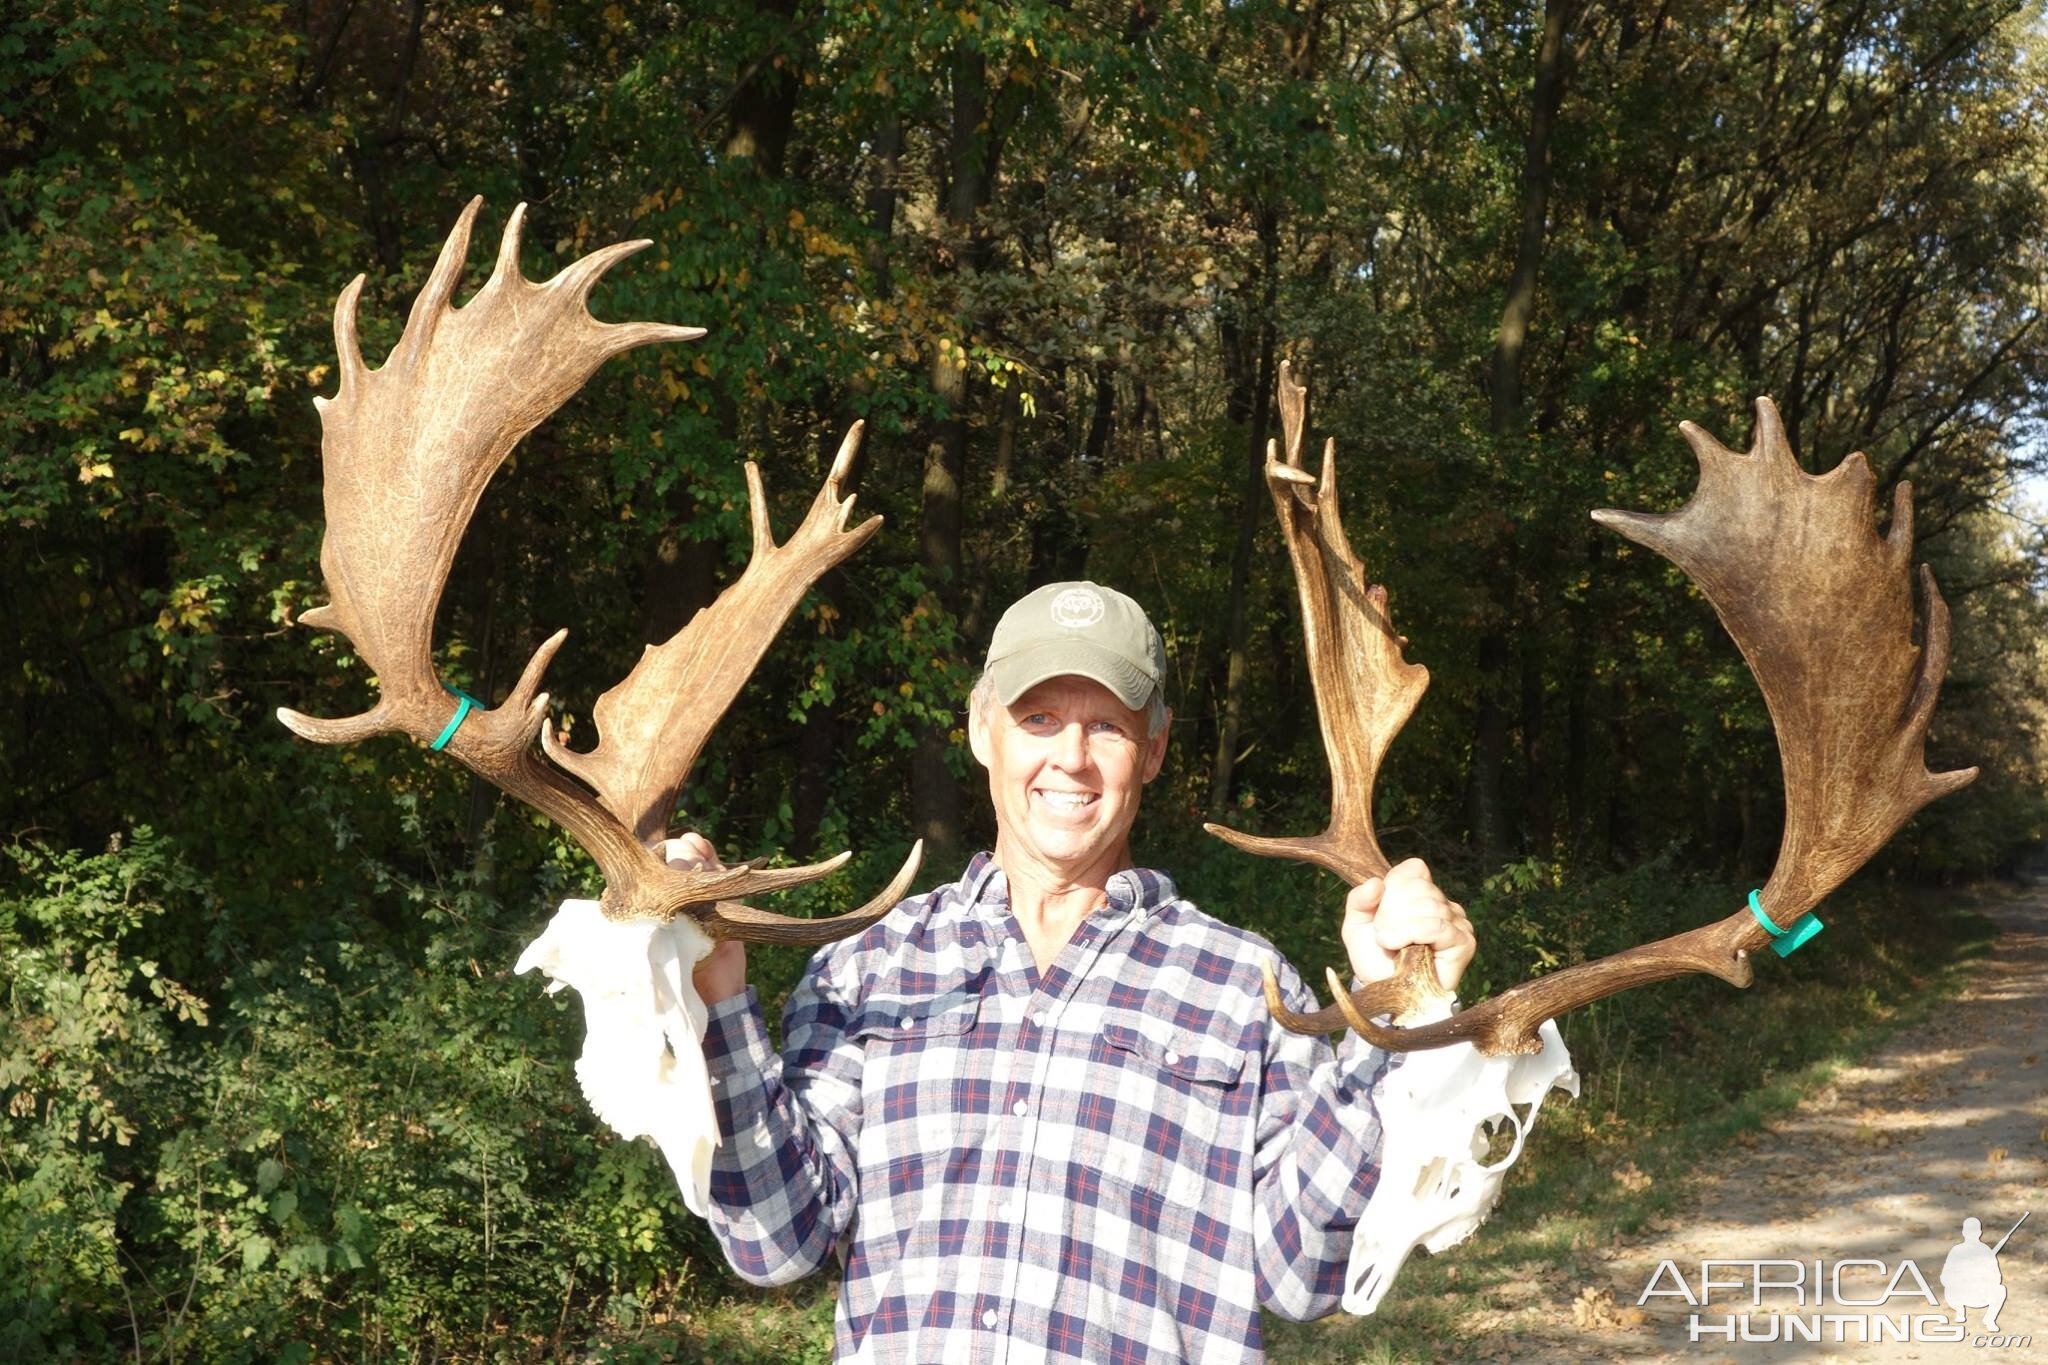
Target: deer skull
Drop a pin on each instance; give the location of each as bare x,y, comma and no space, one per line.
1439,1111
642,1068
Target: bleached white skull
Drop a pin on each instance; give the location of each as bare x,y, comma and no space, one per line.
1439,1110
642,1067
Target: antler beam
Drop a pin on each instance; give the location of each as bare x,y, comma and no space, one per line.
408,449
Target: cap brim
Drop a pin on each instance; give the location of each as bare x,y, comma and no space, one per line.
1018,673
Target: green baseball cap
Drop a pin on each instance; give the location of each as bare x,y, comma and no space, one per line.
1079,629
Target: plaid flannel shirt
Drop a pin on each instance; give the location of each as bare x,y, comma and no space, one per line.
1118,1161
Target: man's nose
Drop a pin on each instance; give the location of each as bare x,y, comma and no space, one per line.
1070,747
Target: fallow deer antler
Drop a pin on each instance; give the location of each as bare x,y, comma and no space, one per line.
1365,691
408,450
1822,609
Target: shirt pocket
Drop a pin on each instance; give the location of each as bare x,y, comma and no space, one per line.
918,1050
1181,1113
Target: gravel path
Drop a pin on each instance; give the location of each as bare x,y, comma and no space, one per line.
1948,1120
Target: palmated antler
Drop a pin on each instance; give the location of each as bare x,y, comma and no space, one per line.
1822,609
1365,691
407,451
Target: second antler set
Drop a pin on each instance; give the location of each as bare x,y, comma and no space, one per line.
407,451
1819,604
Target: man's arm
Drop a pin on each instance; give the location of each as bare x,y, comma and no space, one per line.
1317,1154
783,1181
1315,1160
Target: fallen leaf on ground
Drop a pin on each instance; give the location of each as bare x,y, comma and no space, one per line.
1595,1309
1630,1177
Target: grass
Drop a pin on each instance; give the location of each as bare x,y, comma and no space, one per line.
1673,1077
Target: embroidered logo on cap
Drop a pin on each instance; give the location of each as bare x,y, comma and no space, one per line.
1077,608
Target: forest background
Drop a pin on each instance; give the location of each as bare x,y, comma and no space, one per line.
269,1087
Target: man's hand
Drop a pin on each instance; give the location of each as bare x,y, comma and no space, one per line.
724,972
1384,915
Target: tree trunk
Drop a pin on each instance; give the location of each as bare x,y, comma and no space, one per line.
1505,372
818,746
1538,807
682,577
1250,508
975,142
935,794
1484,802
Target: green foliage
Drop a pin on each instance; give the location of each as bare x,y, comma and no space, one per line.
356,1150
90,1047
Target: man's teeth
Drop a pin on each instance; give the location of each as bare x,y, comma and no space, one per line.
1066,800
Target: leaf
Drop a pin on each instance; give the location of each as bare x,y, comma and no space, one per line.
268,1173
255,1251
283,1205
305,1256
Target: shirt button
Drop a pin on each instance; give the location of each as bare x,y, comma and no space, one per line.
988,1319
1172,1058
1038,1019
1020,1109
904,1022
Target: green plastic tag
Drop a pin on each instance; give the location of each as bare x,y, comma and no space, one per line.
454,721
1785,942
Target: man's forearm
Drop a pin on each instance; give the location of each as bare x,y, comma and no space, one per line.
1310,1198
782,1181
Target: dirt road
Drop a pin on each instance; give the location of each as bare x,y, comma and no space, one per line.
1947,1121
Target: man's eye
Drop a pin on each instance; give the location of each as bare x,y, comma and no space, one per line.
1105,727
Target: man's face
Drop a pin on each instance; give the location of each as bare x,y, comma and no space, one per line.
1066,765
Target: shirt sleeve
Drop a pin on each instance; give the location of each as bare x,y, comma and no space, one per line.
1316,1159
784,1179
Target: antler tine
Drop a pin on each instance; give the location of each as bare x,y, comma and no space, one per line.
436,296
408,449
1822,610
730,920
348,349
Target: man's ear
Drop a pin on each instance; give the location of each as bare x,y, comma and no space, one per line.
979,741
1155,746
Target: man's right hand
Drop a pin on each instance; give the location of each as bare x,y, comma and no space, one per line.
723,973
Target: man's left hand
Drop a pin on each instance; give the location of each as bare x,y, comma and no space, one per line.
1383,915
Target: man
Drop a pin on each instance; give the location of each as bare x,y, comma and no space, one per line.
1043,1112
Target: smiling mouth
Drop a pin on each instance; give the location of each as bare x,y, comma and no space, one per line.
1065,800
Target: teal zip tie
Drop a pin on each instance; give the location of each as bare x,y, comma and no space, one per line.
454,721
1785,941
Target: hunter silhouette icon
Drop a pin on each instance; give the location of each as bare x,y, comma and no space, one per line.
1970,1278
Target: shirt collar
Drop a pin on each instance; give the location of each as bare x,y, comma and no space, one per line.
1135,891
